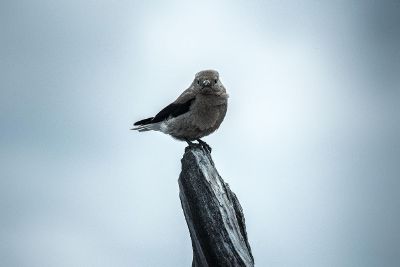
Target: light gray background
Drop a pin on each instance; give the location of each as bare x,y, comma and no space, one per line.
310,143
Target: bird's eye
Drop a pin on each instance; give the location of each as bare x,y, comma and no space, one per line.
215,81
198,81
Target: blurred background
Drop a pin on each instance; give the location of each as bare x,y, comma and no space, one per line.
310,143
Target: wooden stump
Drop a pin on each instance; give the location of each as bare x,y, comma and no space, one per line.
213,213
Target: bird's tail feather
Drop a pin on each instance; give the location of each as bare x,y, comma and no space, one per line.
148,127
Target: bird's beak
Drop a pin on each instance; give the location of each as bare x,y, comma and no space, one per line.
206,82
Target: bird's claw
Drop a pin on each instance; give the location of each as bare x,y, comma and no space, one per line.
204,145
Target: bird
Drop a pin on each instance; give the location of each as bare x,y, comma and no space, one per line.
196,113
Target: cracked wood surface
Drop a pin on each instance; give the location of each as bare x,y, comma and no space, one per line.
213,213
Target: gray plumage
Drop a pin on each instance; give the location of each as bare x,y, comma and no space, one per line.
196,113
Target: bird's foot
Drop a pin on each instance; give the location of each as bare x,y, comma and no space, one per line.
204,145
191,144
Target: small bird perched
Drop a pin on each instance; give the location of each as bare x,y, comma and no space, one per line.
196,113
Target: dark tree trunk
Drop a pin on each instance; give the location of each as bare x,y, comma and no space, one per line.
213,214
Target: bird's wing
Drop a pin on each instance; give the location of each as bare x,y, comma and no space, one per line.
173,110
180,106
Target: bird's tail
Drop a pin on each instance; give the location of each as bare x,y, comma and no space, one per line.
148,127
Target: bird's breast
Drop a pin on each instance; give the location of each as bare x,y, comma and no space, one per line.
208,111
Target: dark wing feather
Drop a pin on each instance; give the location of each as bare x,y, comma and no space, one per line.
172,110
143,122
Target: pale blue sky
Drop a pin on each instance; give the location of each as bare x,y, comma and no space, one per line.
310,143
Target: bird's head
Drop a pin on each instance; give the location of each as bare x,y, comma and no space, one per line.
207,81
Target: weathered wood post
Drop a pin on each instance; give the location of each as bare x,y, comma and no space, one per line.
213,213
